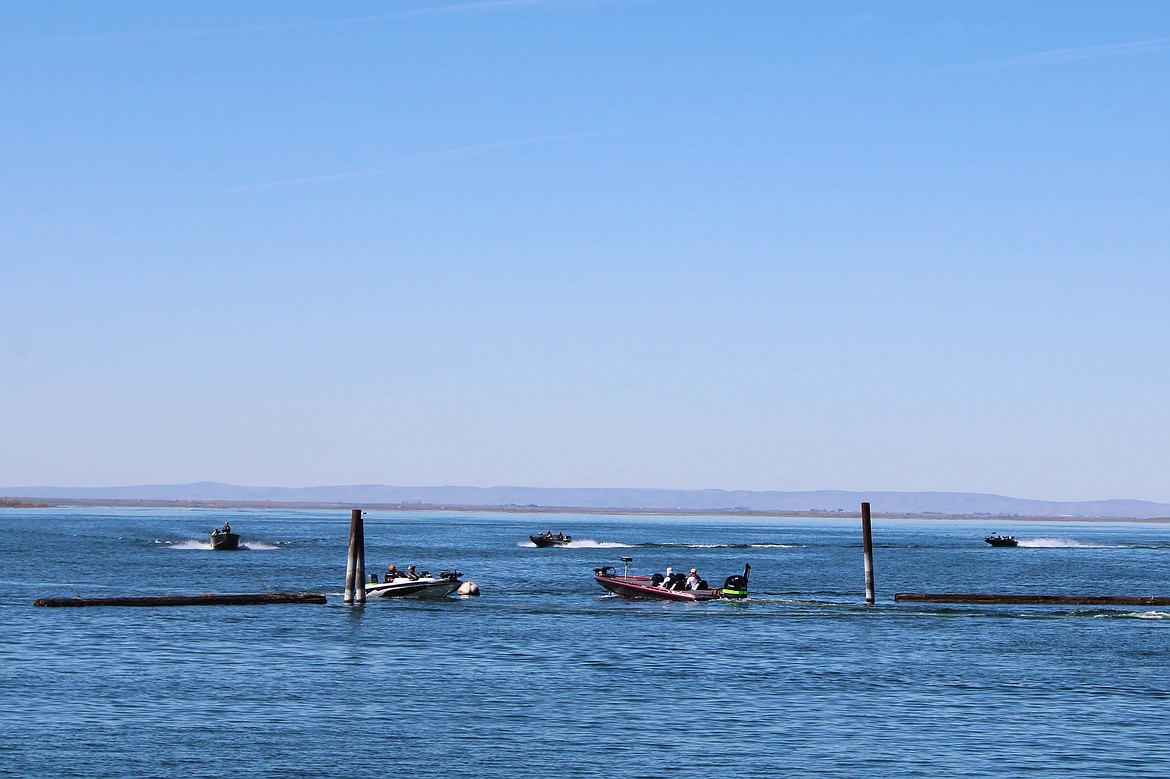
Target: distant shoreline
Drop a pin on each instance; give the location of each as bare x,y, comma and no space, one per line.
17,503
13,503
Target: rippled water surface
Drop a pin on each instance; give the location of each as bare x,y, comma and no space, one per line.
547,675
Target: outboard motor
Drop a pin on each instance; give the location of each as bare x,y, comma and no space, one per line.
736,586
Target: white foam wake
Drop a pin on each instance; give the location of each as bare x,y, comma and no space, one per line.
205,546
187,545
734,546
1060,543
585,543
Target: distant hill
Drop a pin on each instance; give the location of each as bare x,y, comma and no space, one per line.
915,503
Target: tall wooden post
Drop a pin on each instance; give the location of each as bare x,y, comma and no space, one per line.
867,550
360,576
355,567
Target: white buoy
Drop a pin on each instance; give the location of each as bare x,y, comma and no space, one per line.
468,588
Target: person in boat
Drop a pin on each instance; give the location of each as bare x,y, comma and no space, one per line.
227,528
560,536
693,580
215,532
410,574
548,534
674,581
391,573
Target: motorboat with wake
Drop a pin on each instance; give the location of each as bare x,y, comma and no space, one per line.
224,539
422,586
659,587
995,539
548,539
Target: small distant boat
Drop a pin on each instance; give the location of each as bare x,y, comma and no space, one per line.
995,539
548,539
657,588
425,586
225,541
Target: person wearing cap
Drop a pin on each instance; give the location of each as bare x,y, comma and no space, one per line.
693,580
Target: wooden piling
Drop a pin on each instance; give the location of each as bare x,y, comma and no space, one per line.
349,571
355,579
867,551
360,573
1033,600
207,599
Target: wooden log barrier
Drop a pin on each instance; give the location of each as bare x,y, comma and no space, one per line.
1038,600
190,600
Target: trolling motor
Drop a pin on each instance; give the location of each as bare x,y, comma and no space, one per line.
737,586
609,570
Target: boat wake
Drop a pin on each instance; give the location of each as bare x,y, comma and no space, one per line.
584,543
203,546
1062,543
717,546
589,543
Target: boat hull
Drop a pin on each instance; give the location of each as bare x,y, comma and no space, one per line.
225,541
999,541
543,542
640,588
405,588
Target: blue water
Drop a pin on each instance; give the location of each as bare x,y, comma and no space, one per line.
546,675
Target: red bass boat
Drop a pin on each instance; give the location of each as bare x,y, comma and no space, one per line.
658,588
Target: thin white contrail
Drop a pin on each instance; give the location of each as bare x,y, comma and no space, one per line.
414,160
1077,54
477,6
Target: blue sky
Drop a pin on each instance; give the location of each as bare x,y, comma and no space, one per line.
741,245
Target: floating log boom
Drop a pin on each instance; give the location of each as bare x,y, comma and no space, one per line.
1037,600
190,600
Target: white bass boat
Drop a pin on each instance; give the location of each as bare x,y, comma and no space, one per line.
424,586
